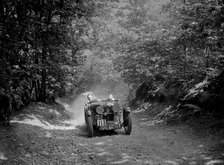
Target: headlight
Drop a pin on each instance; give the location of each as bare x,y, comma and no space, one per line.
100,110
97,117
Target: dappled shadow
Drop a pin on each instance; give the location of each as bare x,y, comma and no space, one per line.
82,131
151,122
43,123
131,160
217,152
40,133
29,144
46,116
104,150
197,160
10,146
2,156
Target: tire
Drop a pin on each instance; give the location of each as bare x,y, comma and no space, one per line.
89,124
85,115
127,123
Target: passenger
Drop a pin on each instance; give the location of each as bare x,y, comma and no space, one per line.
111,97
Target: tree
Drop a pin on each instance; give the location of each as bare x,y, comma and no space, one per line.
36,41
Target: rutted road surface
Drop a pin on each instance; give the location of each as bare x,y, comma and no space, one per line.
36,137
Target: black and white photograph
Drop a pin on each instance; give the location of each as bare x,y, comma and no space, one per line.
111,82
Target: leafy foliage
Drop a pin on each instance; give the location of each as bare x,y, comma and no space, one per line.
39,57
56,47
178,46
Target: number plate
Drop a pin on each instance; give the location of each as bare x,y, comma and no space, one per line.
101,122
110,126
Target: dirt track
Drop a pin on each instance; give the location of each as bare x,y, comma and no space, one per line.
37,138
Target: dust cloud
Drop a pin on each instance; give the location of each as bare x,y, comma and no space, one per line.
77,109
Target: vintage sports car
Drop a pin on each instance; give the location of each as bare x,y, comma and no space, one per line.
106,114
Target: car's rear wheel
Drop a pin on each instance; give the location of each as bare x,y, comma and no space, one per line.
89,123
127,123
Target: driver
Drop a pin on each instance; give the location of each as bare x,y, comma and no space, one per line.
91,98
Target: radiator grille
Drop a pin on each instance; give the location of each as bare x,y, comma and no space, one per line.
110,114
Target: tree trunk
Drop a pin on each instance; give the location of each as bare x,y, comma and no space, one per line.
43,72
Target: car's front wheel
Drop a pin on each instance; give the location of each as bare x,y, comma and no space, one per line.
85,116
89,123
127,123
